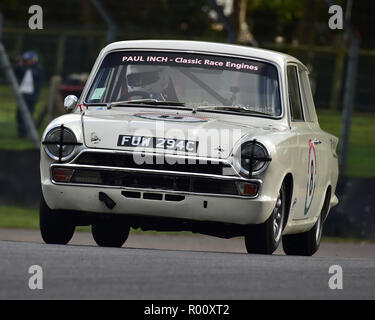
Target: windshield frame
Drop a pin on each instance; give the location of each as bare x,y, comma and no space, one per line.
98,64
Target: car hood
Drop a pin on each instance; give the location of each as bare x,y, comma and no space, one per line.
217,134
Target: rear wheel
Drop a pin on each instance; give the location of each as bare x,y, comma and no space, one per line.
56,226
307,243
265,238
304,244
110,233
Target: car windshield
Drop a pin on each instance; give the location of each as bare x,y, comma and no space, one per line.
192,80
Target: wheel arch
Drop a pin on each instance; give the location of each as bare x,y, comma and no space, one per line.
288,180
326,203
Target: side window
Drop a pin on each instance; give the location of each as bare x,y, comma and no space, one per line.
308,101
294,94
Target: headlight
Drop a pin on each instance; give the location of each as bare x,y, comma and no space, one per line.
60,143
252,158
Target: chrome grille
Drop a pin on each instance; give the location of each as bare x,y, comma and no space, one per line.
153,162
154,181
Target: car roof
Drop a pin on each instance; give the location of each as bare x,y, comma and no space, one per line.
204,47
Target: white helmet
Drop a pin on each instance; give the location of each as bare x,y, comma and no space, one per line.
151,79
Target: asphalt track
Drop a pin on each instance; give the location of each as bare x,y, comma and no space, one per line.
178,267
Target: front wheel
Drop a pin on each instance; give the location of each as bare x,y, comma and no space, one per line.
110,233
56,227
265,238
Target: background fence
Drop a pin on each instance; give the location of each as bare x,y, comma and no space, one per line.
64,52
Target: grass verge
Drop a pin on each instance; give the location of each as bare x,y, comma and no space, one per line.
361,152
24,218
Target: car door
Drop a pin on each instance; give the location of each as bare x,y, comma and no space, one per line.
321,141
306,168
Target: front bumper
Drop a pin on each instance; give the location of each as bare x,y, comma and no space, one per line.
235,210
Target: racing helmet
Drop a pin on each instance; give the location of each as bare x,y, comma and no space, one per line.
151,79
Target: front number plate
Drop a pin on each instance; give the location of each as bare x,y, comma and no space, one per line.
160,143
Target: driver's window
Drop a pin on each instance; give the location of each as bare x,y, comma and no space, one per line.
309,106
295,103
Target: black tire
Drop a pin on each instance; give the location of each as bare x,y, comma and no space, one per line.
56,226
304,244
265,238
110,233
307,243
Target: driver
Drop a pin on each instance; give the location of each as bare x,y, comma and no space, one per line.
152,82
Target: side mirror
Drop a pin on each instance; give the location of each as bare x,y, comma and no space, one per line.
70,103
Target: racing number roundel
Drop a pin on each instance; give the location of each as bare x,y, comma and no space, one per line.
311,176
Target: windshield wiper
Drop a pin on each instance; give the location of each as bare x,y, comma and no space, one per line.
152,102
229,108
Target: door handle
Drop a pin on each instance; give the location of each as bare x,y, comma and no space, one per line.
317,141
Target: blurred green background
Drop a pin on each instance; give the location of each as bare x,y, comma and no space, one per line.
74,32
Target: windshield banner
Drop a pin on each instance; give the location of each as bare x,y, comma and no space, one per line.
187,60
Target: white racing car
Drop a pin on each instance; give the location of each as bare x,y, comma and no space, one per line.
178,135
